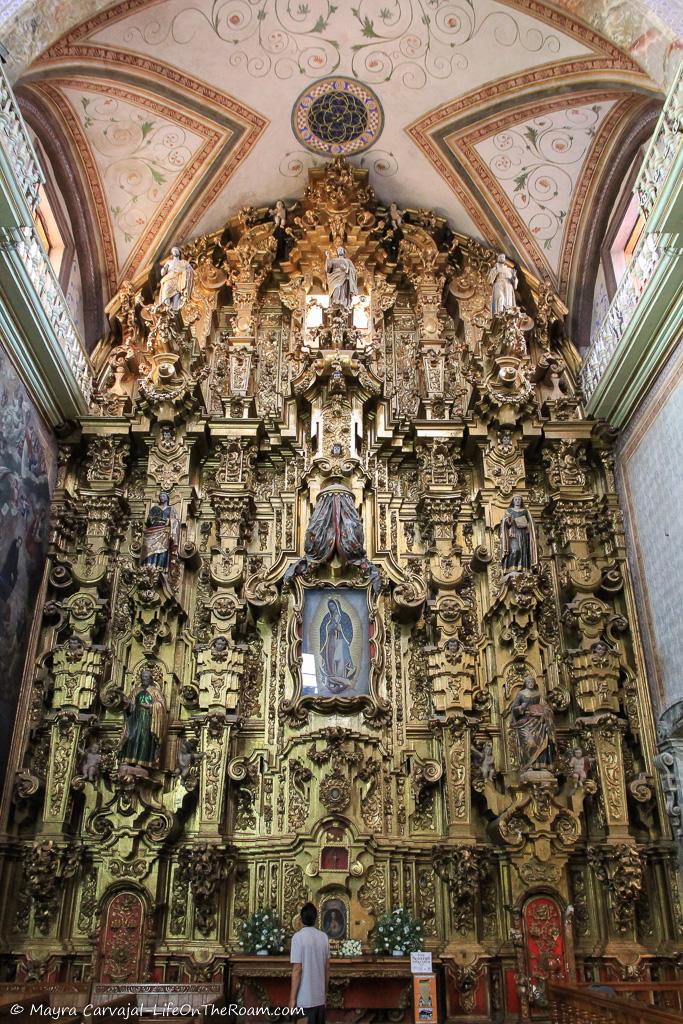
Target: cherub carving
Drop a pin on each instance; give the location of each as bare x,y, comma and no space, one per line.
90,761
579,765
186,758
484,761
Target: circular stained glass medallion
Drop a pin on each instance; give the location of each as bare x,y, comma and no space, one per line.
337,117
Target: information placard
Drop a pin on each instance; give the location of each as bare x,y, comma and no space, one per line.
421,963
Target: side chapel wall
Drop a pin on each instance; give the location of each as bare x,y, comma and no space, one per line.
28,467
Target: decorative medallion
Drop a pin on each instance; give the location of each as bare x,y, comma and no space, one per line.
337,117
335,793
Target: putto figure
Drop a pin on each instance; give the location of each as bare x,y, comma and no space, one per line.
284,239
342,281
90,761
579,765
279,214
162,531
336,636
485,762
504,281
145,727
186,758
177,278
518,538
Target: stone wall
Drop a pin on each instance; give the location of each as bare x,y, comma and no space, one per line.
649,461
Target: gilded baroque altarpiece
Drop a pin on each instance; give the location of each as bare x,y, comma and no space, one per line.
337,608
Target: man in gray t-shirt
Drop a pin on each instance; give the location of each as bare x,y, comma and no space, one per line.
310,957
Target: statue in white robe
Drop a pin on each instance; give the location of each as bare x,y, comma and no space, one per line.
177,278
504,281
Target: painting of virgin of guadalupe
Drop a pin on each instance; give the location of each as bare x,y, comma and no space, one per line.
336,643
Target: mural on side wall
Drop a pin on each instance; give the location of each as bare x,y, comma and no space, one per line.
28,462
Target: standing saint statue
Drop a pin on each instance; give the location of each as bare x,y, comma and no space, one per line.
177,278
145,727
504,281
517,538
533,727
284,240
336,637
161,534
342,282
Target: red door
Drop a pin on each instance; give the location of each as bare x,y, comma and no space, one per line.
546,954
122,938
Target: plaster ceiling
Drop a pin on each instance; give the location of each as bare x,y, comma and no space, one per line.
497,113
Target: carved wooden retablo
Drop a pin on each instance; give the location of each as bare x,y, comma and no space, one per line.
337,608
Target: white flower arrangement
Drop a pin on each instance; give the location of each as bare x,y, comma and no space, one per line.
398,931
262,931
350,947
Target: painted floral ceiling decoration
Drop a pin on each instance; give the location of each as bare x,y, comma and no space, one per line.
407,40
537,165
525,173
497,113
142,157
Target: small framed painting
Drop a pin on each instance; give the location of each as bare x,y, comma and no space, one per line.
333,919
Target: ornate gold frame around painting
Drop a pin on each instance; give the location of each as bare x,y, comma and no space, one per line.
373,706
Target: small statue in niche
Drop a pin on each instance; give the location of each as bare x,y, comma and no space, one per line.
161,534
342,282
518,547
279,215
393,228
395,217
281,233
484,761
579,766
533,727
145,726
186,758
504,281
177,278
90,760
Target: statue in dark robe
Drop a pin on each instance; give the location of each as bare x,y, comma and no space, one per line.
145,726
533,727
161,534
517,538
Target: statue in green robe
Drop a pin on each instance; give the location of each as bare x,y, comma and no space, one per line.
145,725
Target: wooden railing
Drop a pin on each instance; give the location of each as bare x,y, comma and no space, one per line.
574,1004
661,995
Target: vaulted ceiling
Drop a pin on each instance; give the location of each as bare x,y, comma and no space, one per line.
504,115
